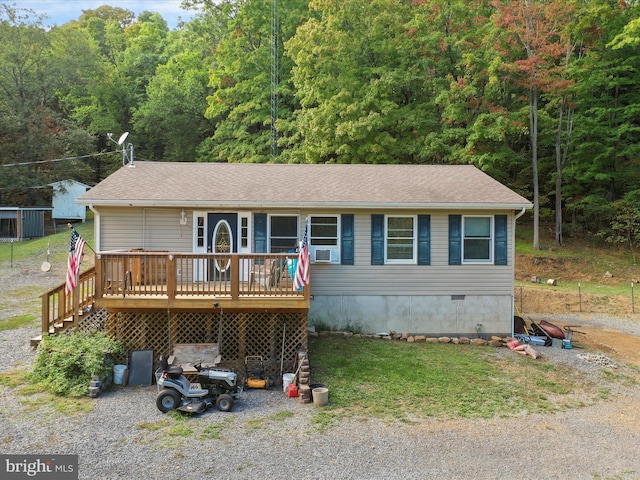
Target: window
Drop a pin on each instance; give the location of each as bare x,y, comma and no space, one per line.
200,232
478,239
244,232
477,243
400,239
324,238
324,231
283,233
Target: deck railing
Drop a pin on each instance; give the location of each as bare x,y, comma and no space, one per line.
57,307
143,279
175,275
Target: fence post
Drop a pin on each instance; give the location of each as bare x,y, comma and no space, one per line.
580,296
521,295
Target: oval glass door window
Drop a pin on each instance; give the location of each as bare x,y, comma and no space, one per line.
222,242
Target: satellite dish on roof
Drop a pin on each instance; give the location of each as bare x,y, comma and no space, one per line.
122,138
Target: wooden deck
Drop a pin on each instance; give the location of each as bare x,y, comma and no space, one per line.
181,282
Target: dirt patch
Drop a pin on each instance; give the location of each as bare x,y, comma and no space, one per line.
574,269
620,341
621,346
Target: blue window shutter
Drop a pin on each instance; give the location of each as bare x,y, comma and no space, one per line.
346,239
500,245
455,239
259,233
377,239
424,239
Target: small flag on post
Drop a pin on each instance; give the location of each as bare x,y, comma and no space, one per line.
302,270
76,251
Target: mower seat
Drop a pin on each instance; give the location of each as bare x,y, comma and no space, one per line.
173,371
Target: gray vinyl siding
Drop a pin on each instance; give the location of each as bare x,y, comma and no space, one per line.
439,278
146,228
160,229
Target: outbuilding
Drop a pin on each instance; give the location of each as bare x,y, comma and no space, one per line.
21,223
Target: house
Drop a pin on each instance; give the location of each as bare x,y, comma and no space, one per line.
205,252
21,223
64,196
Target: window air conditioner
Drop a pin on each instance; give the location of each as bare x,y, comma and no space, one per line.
322,255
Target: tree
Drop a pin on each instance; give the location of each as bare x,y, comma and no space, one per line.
361,84
533,29
607,133
624,227
172,119
34,126
240,105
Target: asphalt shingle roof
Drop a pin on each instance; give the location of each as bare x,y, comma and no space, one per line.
296,185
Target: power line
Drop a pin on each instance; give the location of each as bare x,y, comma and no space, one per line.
58,159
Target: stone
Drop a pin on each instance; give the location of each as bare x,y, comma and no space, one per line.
479,341
444,340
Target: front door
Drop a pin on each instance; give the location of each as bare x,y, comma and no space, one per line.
222,237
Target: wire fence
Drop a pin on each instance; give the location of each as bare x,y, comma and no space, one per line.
577,298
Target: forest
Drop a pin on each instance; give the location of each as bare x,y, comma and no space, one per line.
543,95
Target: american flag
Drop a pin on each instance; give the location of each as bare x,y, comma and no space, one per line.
302,271
76,250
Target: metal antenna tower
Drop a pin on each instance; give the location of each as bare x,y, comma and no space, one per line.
274,78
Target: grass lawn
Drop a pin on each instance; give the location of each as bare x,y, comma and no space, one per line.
406,381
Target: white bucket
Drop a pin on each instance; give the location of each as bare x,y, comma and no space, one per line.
118,374
320,396
287,378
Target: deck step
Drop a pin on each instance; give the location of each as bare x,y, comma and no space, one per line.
35,341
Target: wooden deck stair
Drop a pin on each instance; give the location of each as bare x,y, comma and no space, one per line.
65,324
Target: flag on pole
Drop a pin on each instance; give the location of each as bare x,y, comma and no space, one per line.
302,270
76,250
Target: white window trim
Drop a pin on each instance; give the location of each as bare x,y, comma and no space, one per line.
269,217
337,248
492,236
393,261
196,248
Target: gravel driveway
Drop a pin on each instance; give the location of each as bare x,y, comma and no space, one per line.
270,436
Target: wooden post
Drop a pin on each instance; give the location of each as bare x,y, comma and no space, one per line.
235,277
76,301
99,285
63,307
172,278
45,314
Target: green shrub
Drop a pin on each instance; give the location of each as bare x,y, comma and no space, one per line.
65,364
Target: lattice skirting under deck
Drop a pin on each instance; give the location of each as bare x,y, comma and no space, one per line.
276,337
